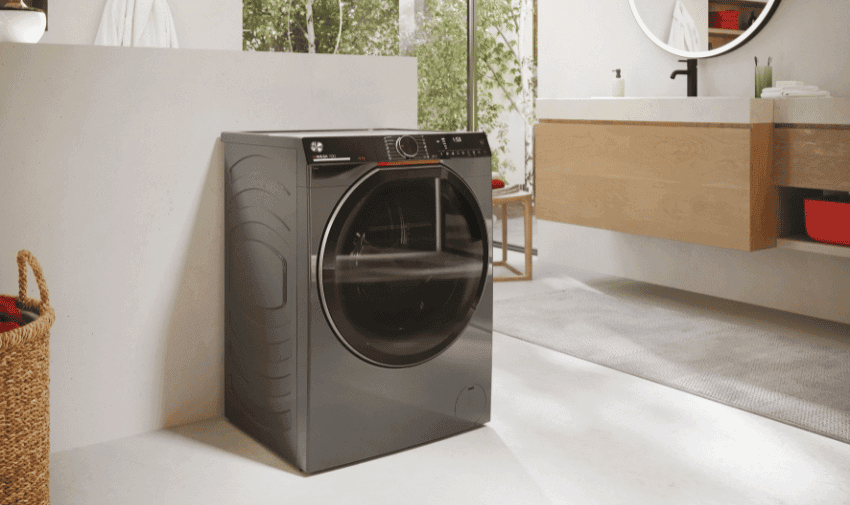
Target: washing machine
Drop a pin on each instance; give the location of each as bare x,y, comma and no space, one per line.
358,290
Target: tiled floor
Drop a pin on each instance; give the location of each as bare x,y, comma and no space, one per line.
563,431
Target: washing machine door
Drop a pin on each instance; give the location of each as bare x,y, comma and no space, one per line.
402,264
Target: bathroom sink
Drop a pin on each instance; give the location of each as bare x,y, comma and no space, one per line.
697,109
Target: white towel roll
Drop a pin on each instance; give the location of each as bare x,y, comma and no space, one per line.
780,89
791,94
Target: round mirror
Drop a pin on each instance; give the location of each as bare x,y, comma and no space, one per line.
701,28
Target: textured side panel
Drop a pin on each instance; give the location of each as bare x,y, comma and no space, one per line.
260,217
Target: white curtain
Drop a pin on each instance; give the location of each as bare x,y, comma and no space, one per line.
145,23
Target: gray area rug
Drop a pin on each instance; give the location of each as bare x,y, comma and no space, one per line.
801,381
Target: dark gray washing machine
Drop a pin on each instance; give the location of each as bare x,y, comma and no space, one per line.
358,291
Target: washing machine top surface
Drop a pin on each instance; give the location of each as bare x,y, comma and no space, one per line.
379,132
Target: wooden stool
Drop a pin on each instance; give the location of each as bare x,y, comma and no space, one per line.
524,198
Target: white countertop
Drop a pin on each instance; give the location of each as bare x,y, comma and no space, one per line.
727,110
664,109
805,110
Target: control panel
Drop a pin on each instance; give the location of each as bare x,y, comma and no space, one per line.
402,148
461,145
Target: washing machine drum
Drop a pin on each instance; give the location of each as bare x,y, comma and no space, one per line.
402,264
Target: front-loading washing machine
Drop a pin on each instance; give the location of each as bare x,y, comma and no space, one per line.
358,290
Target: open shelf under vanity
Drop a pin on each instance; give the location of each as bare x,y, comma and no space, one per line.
810,160
792,223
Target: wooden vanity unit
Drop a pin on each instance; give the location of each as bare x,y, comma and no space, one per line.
811,152
693,193
701,181
723,172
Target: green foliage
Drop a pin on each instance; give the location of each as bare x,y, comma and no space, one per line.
440,49
499,71
368,26
274,25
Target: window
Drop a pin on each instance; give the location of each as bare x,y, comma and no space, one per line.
436,33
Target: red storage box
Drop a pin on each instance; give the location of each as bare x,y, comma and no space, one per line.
828,221
723,19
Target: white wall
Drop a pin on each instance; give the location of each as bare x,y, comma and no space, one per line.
800,282
200,24
581,40
112,175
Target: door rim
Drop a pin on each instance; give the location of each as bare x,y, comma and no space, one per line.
485,239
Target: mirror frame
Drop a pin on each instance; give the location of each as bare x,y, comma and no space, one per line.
749,33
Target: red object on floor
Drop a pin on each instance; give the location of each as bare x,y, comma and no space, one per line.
828,222
498,184
724,19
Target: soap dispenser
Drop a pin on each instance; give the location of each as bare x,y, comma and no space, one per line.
618,85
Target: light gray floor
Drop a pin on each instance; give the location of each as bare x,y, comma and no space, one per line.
563,431
622,439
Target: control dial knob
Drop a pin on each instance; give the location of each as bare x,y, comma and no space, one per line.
406,146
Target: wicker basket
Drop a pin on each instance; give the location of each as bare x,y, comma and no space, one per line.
24,397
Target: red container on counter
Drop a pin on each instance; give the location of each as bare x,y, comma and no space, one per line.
828,222
723,19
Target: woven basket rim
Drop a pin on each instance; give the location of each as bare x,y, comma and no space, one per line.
24,334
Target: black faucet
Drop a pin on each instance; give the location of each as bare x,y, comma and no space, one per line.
691,72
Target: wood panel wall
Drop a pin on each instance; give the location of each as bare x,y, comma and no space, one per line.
698,183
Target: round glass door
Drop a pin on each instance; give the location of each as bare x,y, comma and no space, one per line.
402,264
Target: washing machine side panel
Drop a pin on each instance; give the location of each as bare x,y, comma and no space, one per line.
260,296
